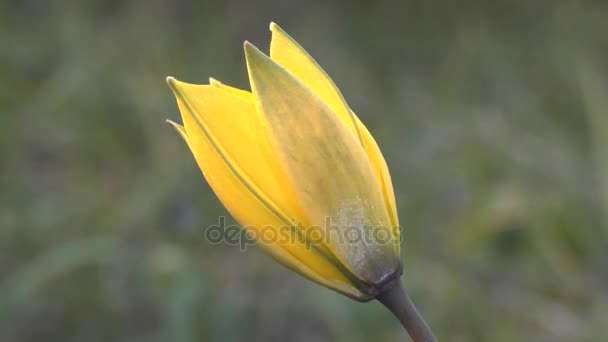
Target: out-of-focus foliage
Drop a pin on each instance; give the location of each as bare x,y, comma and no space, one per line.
492,115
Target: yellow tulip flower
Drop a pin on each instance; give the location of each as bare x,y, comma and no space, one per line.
297,169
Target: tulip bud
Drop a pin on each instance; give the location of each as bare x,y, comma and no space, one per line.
293,157
291,160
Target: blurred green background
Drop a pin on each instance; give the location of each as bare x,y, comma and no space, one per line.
492,115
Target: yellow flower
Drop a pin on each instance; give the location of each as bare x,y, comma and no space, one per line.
297,169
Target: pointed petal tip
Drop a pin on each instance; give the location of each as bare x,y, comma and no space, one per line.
172,83
215,83
274,28
251,51
253,55
179,128
250,47
173,123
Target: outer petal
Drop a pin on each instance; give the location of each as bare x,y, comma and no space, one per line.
327,167
384,179
222,128
290,55
286,52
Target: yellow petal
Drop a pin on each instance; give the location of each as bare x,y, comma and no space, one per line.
224,134
286,52
384,179
327,168
235,91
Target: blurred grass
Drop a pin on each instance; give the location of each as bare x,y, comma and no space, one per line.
492,117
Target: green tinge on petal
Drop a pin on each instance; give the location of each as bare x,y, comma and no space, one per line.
286,52
327,166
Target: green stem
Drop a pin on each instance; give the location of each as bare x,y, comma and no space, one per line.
396,299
